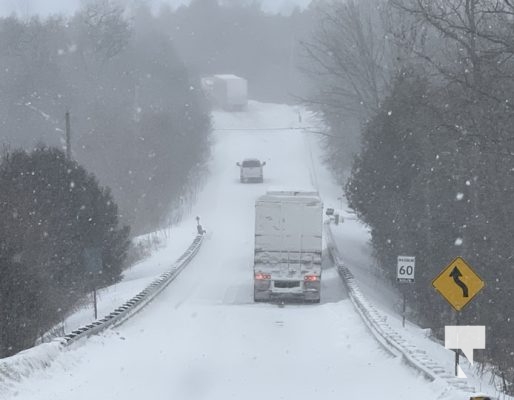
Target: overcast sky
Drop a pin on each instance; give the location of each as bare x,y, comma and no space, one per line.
25,8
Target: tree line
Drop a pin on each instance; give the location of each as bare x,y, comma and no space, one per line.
238,37
430,86
139,142
139,121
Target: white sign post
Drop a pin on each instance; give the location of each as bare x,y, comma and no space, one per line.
405,269
405,274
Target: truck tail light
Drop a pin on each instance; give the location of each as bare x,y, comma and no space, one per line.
259,276
311,278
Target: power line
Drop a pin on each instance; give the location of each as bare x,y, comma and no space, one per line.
259,129
309,129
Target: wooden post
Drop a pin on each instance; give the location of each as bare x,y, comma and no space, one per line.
404,308
457,351
95,302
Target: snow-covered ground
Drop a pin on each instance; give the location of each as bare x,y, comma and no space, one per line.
204,338
171,244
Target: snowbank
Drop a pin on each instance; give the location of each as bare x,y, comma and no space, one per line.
39,357
21,365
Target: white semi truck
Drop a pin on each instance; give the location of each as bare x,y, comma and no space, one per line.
287,257
226,91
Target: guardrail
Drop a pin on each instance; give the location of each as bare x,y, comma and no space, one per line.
390,340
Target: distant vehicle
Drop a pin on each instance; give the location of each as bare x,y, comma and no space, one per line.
481,396
226,91
251,170
287,254
329,212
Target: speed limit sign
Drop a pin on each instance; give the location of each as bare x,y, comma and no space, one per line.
405,269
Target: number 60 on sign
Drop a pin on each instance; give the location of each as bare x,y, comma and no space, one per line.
405,269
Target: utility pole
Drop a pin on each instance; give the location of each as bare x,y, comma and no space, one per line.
404,309
457,361
341,199
95,303
68,136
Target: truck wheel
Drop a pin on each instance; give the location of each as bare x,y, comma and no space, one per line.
313,301
259,297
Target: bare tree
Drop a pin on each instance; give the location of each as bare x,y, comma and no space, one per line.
350,57
466,37
107,29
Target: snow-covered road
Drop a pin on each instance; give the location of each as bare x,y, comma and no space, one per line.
204,338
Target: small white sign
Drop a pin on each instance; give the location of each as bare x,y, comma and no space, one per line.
465,337
405,269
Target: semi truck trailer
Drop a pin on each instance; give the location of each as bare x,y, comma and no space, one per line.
288,246
251,170
226,91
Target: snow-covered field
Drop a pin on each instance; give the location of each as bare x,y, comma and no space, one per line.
204,338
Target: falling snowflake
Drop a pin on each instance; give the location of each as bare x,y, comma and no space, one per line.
458,242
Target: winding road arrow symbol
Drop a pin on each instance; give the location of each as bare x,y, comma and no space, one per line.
456,274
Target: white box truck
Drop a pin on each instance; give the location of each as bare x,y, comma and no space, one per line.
287,256
226,91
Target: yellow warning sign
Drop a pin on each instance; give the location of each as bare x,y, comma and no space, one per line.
458,283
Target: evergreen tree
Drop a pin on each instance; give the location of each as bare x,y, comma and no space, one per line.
52,211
